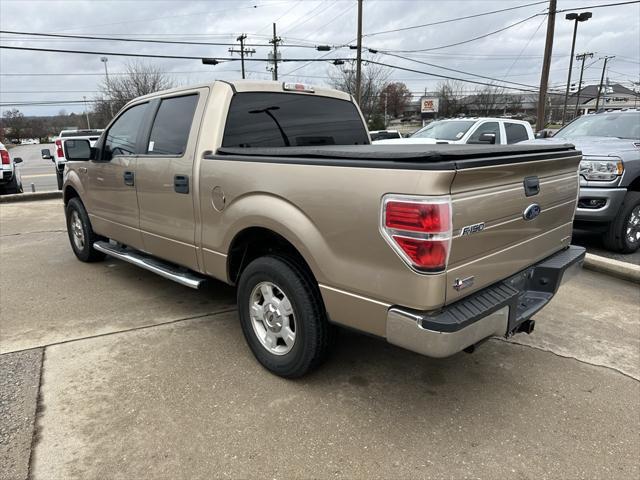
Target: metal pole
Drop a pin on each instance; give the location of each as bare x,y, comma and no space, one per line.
604,68
566,93
582,57
275,53
546,64
106,74
385,110
359,53
241,38
86,113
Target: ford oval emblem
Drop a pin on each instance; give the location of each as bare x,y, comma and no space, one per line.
531,212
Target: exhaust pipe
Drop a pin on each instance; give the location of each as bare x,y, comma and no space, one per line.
527,326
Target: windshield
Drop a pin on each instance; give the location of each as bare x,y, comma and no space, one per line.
449,130
613,124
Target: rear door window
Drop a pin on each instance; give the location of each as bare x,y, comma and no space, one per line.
171,127
515,132
261,119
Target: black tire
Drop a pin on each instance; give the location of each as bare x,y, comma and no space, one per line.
85,252
312,330
59,179
13,186
616,238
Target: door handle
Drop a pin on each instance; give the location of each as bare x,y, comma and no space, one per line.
531,186
181,183
129,179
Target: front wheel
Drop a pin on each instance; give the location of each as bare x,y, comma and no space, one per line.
81,235
282,316
624,232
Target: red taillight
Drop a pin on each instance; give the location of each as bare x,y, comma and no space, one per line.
59,151
6,160
418,229
417,217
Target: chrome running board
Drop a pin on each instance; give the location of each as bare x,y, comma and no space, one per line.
166,270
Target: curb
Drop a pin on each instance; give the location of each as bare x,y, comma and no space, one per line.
28,197
615,268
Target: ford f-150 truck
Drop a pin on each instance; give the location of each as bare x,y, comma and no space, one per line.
275,188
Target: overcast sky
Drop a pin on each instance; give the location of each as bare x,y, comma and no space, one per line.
514,54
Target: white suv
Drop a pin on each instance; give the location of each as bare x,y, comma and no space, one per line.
483,130
10,182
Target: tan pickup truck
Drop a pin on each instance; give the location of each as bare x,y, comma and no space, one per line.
276,189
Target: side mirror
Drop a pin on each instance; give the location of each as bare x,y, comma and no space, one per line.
77,150
46,154
489,138
17,160
542,134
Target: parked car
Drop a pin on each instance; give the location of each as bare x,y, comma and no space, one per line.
609,175
384,134
59,159
499,131
274,188
11,182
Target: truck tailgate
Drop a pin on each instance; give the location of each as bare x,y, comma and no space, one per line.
500,239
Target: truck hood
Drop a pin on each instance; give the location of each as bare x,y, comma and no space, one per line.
602,146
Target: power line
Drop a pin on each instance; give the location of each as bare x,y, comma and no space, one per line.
457,19
149,55
602,5
143,40
465,41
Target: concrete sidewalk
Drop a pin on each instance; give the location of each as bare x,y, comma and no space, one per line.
143,378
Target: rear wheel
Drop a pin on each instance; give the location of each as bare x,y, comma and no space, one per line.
282,316
624,232
13,186
59,179
81,235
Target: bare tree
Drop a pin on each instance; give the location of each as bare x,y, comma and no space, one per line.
396,96
14,124
488,99
374,78
450,94
140,79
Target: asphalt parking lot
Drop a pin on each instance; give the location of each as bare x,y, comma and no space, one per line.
34,169
108,371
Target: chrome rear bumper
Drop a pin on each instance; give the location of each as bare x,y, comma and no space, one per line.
497,310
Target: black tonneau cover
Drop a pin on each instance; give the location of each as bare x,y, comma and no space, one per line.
400,156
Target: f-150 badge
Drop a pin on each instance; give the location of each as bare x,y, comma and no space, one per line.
471,229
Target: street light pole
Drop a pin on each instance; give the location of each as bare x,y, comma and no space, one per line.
106,74
359,54
86,112
583,17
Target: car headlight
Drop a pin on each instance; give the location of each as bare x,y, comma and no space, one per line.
601,170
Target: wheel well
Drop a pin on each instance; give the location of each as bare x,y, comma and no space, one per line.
255,242
69,193
635,185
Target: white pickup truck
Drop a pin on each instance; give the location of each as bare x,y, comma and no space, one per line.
481,130
59,159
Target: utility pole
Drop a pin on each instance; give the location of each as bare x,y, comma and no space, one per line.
242,51
583,17
546,64
604,68
582,57
359,53
275,41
